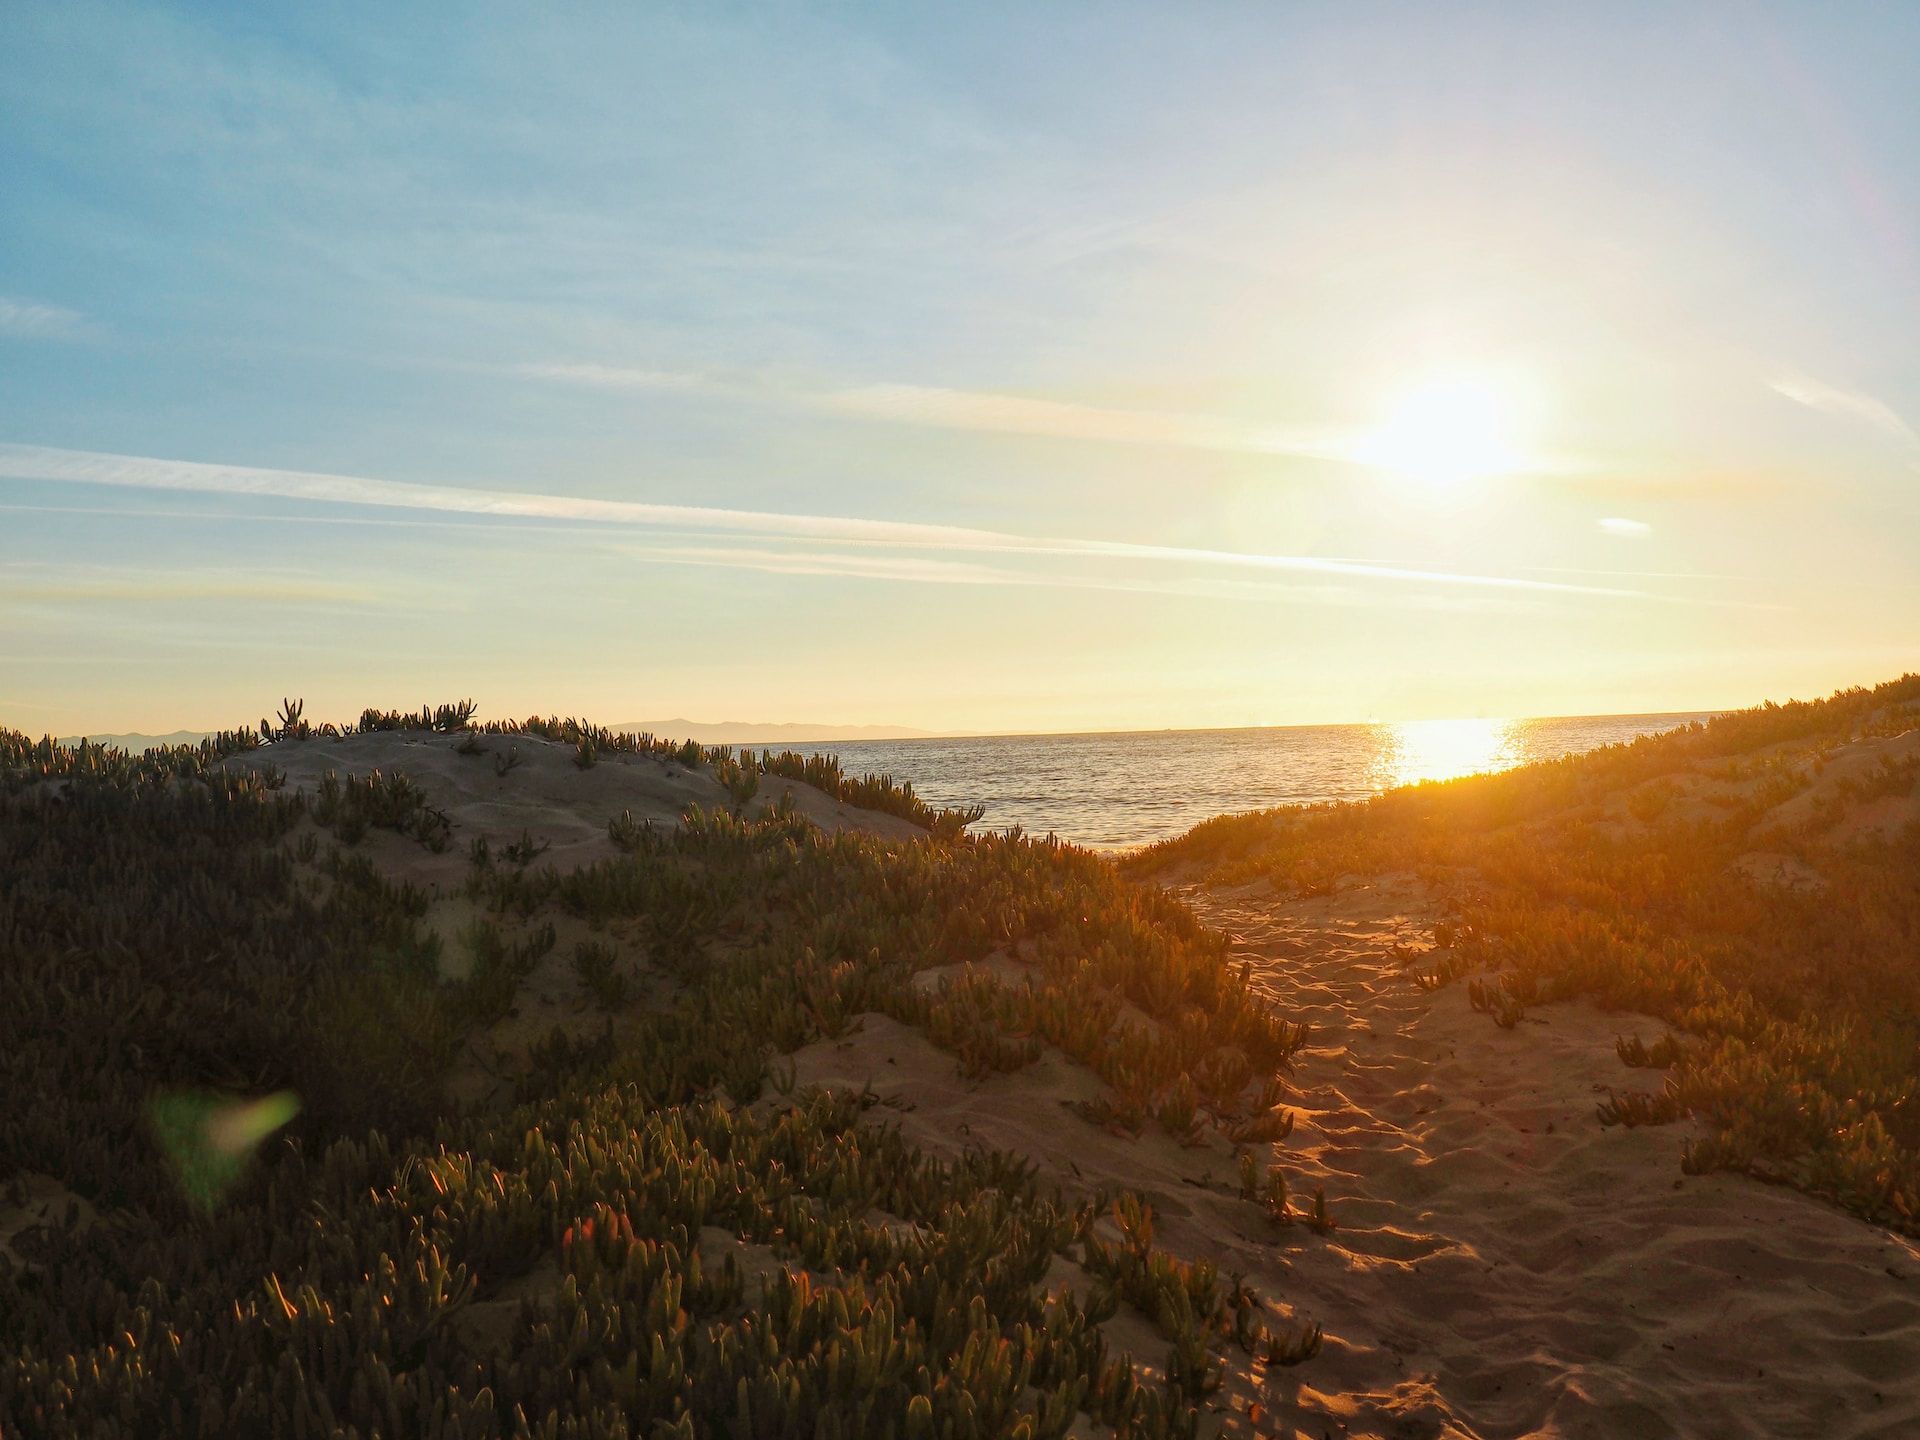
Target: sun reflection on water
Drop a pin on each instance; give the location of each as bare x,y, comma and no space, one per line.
1417,750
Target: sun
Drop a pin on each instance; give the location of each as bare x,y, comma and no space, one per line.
1447,430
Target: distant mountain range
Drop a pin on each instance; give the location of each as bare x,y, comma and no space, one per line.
138,742
751,732
725,732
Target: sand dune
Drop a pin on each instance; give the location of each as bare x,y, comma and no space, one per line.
544,799
1500,1264
544,796
1504,1265
1867,790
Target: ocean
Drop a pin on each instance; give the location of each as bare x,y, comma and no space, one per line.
1113,791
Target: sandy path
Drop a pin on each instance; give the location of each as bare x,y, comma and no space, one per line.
1519,1268
1504,1265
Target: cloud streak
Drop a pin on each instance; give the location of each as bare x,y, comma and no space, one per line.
939,408
1847,404
613,377
40,584
30,320
992,412
263,589
48,465
917,570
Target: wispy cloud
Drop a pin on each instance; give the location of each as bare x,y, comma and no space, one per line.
45,464
917,570
1848,404
160,587
920,570
30,320
1620,525
994,412
946,409
614,377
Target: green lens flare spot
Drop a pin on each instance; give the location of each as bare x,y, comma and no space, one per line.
210,1138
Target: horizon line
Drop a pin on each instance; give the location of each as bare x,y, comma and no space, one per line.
918,735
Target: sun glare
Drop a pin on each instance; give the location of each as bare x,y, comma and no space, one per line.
1448,430
1444,749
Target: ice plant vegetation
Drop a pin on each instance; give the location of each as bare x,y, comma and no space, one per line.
239,1043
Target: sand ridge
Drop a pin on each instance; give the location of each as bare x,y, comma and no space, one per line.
522,789
503,788
1829,803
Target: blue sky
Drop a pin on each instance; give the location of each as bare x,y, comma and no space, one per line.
975,367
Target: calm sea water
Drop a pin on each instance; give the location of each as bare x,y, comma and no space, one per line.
1116,790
